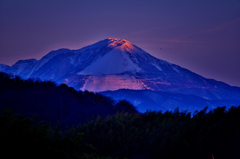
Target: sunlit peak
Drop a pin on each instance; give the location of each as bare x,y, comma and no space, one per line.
122,43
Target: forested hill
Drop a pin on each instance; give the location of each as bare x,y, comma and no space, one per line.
56,103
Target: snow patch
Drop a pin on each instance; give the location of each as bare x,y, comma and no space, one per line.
158,67
114,62
137,102
175,69
112,82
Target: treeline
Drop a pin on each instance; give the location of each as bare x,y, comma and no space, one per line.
56,103
167,135
147,136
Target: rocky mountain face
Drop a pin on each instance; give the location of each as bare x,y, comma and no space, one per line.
116,64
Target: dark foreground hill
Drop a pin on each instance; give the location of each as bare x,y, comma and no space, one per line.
56,103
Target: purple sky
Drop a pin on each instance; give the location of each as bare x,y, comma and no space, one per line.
202,36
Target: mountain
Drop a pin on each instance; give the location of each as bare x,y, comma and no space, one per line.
115,64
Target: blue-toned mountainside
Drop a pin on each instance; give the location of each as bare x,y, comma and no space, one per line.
117,65
157,100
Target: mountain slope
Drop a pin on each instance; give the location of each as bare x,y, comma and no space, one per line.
157,100
113,64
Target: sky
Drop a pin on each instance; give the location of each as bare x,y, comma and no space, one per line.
202,36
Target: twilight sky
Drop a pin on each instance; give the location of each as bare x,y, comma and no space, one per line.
202,36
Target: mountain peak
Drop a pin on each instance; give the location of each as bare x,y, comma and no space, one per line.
114,61
117,40
121,44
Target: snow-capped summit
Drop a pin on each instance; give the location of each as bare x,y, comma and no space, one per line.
116,56
116,60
